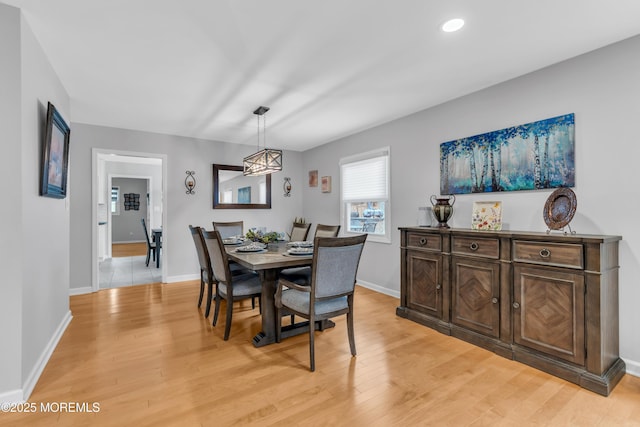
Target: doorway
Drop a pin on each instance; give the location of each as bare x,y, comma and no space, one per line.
129,204
140,178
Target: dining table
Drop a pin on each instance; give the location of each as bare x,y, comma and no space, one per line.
268,264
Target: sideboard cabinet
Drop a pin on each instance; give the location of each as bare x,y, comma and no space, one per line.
547,300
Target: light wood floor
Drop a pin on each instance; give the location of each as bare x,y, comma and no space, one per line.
128,249
147,356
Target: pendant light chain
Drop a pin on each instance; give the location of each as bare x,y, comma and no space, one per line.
264,130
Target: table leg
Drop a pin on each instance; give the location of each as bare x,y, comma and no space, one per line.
269,280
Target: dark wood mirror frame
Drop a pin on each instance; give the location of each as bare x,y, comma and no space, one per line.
216,191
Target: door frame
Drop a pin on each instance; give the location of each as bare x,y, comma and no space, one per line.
96,154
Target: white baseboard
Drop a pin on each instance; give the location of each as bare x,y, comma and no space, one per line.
183,278
80,291
13,396
633,367
34,375
129,241
378,288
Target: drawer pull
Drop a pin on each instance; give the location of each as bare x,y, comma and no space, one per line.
474,246
423,241
438,286
545,253
516,305
494,300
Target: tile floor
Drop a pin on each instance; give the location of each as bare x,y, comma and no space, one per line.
128,271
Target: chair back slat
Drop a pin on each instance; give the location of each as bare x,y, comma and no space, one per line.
229,229
299,232
327,230
335,265
218,255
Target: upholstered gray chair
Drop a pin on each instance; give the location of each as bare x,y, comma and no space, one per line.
232,229
206,273
302,275
330,294
229,287
229,229
299,232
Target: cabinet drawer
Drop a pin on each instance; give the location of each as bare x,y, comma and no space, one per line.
558,254
476,246
424,241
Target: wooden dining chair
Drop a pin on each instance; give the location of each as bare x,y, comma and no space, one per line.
229,229
299,232
229,287
206,273
330,294
152,247
233,229
302,275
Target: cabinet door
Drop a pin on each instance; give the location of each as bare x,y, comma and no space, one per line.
424,282
475,296
548,312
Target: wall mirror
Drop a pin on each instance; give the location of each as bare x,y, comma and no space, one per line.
233,190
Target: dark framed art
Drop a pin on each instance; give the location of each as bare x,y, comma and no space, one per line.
55,155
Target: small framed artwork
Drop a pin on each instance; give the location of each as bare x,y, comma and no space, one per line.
313,178
486,216
326,184
55,155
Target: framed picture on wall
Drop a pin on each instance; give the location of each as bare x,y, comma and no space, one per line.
326,184
313,178
55,155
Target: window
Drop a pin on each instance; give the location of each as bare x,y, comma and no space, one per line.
364,195
115,200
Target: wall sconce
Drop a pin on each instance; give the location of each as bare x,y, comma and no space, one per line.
190,182
287,187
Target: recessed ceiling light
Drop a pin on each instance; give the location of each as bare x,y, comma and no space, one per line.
452,25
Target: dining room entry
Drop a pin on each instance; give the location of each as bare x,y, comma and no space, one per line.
129,189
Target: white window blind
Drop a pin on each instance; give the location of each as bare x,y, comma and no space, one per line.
366,180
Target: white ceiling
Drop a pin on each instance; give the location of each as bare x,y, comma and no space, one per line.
326,68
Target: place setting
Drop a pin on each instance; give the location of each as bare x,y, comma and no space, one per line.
302,244
253,247
233,240
299,249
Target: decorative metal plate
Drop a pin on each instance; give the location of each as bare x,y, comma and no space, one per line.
560,208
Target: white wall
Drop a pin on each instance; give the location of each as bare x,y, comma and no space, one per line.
36,279
45,288
11,208
182,209
602,88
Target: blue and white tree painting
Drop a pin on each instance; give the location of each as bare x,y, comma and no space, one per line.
525,157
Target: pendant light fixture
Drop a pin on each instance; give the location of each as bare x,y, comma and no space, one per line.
264,161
